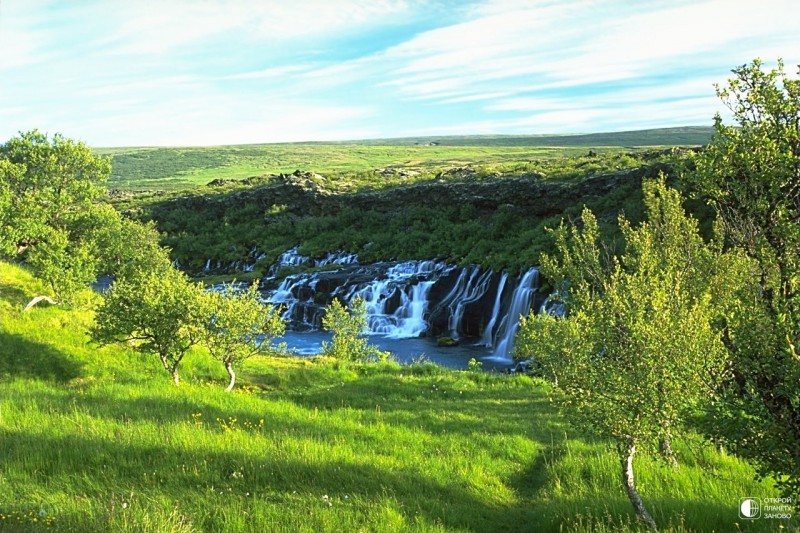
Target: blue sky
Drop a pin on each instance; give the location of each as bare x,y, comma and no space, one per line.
204,72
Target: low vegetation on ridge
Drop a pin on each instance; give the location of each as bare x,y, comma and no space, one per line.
467,215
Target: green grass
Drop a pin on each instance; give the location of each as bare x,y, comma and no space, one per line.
182,168
188,167
99,440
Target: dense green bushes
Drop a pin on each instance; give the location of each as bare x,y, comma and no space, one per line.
498,230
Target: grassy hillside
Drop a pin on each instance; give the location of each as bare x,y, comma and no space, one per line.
99,440
680,136
187,167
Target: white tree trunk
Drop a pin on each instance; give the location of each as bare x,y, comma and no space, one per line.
232,374
37,300
172,369
626,459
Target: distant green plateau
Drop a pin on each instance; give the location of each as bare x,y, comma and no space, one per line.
173,168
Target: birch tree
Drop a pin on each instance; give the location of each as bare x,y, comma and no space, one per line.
638,349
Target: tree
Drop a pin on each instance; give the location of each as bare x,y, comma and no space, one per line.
46,180
46,185
638,349
123,246
750,173
9,173
239,326
348,341
65,263
158,311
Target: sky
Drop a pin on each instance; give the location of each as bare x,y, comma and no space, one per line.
210,72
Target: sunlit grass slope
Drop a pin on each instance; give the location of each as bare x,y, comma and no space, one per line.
185,168
97,439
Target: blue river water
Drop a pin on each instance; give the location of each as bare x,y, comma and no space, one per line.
404,351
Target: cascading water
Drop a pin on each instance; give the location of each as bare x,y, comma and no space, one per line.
337,258
521,304
403,281
474,288
289,258
488,334
410,299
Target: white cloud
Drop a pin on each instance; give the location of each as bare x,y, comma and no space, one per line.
676,91
572,44
582,117
271,73
20,44
157,27
211,70
221,119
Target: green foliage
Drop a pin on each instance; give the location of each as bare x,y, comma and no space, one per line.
47,187
157,311
124,246
637,346
12,203
750,173
67,265
473,365
638,350
44,181
349,343
239,326
49,209
404,220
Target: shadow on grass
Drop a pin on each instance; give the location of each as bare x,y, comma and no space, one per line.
204,480
528,482
93,465
435,499
21,357
499,409
415,405
14,295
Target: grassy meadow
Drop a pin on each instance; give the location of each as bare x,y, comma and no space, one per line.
98,439
168,168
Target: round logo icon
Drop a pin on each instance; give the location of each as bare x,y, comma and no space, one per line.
749,508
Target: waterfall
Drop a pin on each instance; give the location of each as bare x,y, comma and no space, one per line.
337,258
410,298
469,287
475,288
488,333
557,308
410,316
295,295
521,303
289,258
402,281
